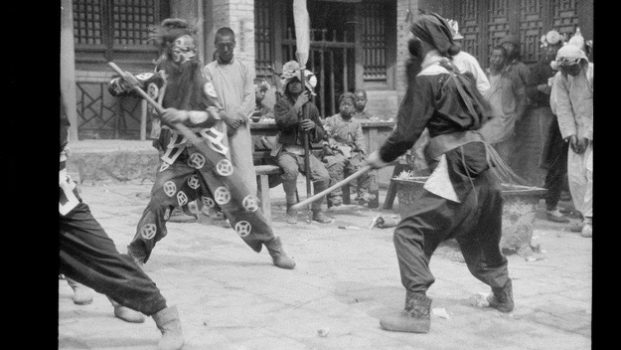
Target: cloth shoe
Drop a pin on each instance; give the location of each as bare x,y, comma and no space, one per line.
502,298
577,227
587,228
556,216
82,295
335,201
415,318
279,257
320,217
292,215
139,261
126,314
167,320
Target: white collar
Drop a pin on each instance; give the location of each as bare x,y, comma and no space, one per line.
432,57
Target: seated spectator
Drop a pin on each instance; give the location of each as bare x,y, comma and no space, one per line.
360,102
344,152
296,115
261,111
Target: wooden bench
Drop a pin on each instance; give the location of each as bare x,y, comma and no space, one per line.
263,173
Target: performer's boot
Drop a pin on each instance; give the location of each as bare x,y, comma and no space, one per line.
502,298
415,318
126,314
280,258
82,295
167,320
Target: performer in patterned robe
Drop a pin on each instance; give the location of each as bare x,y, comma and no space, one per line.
185,173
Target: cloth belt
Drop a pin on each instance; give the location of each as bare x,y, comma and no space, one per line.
443,143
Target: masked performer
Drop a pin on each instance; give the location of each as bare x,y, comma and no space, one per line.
462,199
185,173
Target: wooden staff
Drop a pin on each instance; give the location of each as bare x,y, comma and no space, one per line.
343,182
184,130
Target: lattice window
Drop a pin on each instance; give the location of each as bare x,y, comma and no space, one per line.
263,38
374,41
498,23
131,20
112,24
88,22
469,26
565,16
531,29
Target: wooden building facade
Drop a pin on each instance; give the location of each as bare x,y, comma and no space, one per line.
354,44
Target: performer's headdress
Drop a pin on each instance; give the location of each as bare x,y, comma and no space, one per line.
436,31
164,35
455,29
291,70
551,38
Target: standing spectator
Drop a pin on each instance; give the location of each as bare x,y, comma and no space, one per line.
345,151
507,98
511,44
465,62
554,156
360,102
261,111
234,86
572,100
295,115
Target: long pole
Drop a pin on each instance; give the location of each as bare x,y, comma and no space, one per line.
184,130
343,182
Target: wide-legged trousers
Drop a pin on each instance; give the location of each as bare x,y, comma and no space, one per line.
476,223
217,183
89,256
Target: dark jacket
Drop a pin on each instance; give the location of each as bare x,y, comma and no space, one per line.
288,120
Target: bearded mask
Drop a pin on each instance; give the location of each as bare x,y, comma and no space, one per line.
183,49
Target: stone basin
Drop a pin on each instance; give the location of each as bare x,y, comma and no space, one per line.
518,214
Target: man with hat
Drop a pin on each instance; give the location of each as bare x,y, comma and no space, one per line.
511,43
468,63
461,198
554,156
572,100
295,115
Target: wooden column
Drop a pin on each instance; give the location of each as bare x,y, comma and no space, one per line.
67,67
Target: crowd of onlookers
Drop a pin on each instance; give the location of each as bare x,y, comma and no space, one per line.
555,92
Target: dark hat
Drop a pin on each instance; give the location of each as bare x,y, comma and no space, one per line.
510,38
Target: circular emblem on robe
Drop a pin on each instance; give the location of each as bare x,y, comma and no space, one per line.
222,195
224,167
243,228
208,202
164,166
196,160
193,182
144,76
182,198
251,203
153,91
170,188
148,231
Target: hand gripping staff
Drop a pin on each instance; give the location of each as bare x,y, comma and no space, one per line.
215,139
